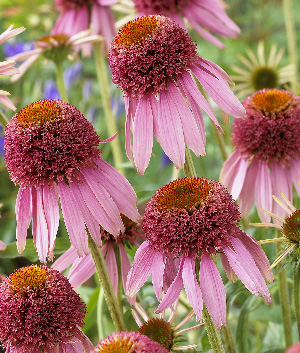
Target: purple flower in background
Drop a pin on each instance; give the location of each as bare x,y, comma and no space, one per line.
71,74
118,106
11,49
50,90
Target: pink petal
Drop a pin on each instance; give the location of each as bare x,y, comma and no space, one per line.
213,290
170,129
7,102
24,215
295,173
130,108
238,177
192,135
2,246
263,191
82,269
125,264
141,269
192,288
65,260
228,269
142,135
171,269
173,291
112,267
158,275
73,219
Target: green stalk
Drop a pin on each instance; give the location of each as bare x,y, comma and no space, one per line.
120,285
3,119
296,296
100,314
284,299
60,81
291,38
111,124
212,333
220,140
109,294
189,168
227,334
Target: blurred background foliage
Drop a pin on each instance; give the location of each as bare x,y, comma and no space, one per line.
256,327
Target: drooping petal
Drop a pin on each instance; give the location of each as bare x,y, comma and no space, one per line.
228,269
83,268
295,173
229,164
23,215
263,191
125,264
238,177
213,290
65,260
112,267
192,288
158,275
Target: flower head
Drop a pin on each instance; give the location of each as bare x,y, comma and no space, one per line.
203,16
189,220
150,59
40,312
51,151
259,73
55,47
124,342
267,144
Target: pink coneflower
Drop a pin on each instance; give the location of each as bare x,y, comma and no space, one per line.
128,342
7,67
40,312
84,267
80,15
51,151
204,15
189,220
151,59
295,348
56,48
267,150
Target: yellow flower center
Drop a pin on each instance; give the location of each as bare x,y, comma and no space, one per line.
116,346
54,40
271,101
32,277
183,193
291,227
135,31
39,112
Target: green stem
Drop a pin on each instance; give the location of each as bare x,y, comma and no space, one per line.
109,294
220,141
284,299
189,168
120,285
60,81
296,296
212,333
111,124
3,119
291,38
227,334
100,314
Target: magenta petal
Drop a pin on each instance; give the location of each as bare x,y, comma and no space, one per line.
125,264
158,275
24,215
141,269
65,260
142,134
171,269
112,267
170,129
213,290
238,177
173,291
263,191
228,166
73,219
192,288
83,268
129,117
228,269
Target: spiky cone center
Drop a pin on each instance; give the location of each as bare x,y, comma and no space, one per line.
48,141
148,52
159,7
291,227
264,77
271,130
38,309
159,331
189,216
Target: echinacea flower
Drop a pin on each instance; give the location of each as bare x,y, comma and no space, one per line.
295,348
290,228
203,15
125,342
84,267
40,312
267,150
164,332
56,47
259,72
77,16
51,151
188,221
151,59
7,67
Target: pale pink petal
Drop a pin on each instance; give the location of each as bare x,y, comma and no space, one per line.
228,269
173,291
23,67
23,215
130,108
66,259
158,275
258,255
83,268
2,246
73,219
142,135
6,101
238,177
213,290
141,269
263,191
295,173
192,288
228,167
170,130
171,269
191,133
125,264
112,267
10,33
